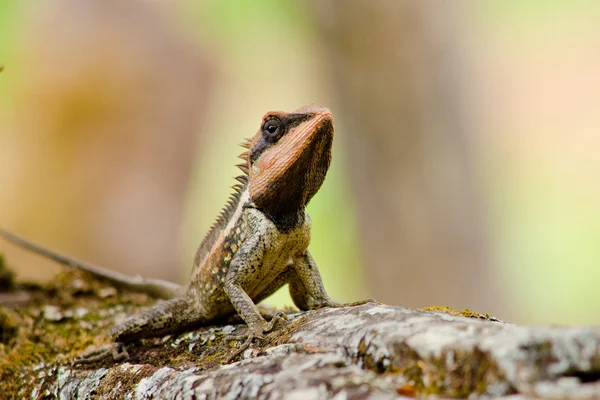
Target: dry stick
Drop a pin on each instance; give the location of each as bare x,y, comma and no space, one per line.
156,288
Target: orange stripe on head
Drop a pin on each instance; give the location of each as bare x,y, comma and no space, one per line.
289,158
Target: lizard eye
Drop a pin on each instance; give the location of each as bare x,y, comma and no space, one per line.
272,128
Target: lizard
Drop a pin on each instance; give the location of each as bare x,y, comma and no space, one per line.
258,243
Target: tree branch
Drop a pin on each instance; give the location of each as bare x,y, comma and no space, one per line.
359,351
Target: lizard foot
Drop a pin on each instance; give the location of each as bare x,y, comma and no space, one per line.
252,334
333,304
117,350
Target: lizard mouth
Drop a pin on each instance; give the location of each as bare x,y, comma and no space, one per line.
289,173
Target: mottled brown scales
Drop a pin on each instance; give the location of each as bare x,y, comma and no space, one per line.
258,243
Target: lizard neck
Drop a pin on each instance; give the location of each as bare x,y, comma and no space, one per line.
286,222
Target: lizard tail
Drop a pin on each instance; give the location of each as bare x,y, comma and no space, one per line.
175,315
156,288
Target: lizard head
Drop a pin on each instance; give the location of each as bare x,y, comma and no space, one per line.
288,158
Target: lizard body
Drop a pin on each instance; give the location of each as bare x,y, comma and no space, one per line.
258,244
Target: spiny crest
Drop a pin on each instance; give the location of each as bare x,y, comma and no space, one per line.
244,168
244,156
227,212
247,143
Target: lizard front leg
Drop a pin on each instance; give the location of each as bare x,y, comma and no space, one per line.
241,267
241,270
306,288
313,290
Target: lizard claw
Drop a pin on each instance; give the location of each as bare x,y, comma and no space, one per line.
255,333
250,336
278,318
268,314
117,350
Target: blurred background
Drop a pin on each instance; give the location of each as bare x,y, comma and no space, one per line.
465,169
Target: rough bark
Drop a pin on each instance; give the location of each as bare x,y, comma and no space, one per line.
369,351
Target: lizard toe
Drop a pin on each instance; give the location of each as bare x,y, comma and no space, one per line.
278,318
117,350
250,336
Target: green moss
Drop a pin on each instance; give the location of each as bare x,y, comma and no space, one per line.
464,313
30,338
9,325
469,373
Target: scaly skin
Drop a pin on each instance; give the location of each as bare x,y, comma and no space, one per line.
258,244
